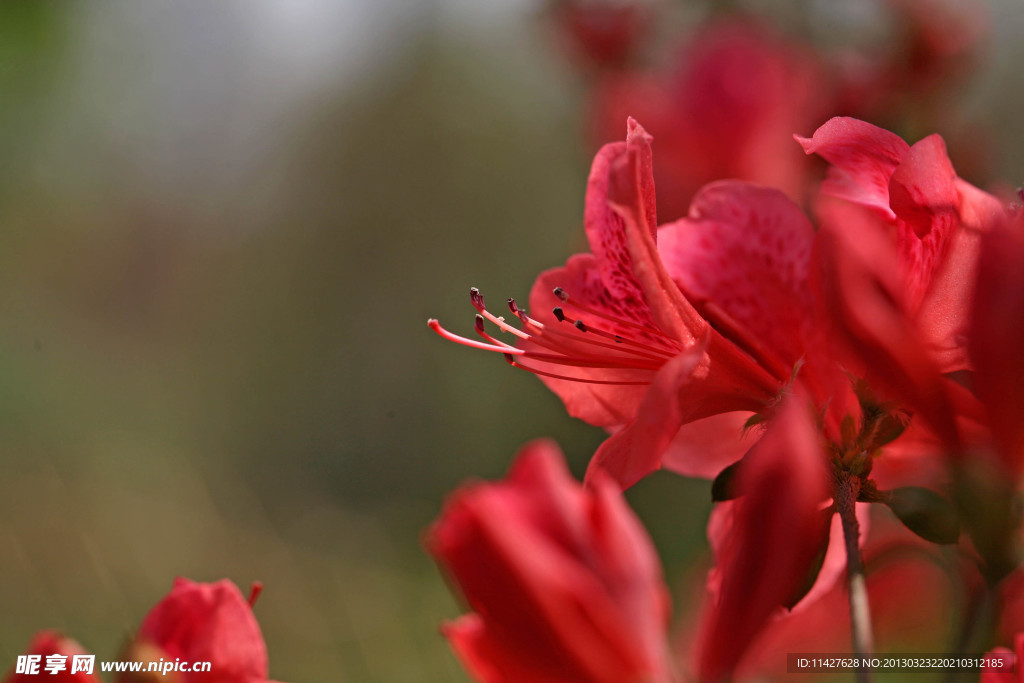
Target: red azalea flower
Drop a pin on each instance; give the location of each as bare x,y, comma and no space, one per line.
931,263
659,328
661,331
899,260
204,622
715,313
44,645
563,581
934,218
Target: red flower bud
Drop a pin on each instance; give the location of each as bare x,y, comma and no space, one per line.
563,582
205,622
51,644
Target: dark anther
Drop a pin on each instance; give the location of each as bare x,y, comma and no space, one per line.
477,299
557,310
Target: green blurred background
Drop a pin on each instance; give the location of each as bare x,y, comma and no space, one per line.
222,229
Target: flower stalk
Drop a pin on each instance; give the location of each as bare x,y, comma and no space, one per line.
860,610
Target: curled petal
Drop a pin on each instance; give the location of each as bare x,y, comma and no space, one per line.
627,198
863,159
604,227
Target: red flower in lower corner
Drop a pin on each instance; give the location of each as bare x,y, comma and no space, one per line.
204,622
52,655
563,582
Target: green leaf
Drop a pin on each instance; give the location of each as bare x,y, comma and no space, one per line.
926,513
724,486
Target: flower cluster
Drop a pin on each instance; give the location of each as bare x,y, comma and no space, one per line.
724,99
196,623
849,377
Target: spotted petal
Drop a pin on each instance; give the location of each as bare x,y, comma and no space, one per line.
746,249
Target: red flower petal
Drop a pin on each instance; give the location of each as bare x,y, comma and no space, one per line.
747,249
992,674
923,194
997,339
705,447
604,227
491,661
778,531
209,622
46,643
691,386
863,159
863,291
603,405
911,595
943,313
626,196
